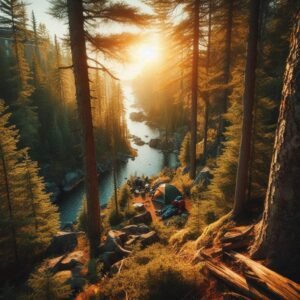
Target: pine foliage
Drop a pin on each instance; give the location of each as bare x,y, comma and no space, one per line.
28,218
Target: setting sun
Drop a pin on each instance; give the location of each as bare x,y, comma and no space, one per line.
147,52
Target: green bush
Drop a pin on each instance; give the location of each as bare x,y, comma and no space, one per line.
46,285
158,274
115,218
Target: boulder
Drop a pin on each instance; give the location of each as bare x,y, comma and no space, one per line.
135,229
155,143
149,238
145,218
68,227
63,242
71,260
137,116
113,243
77,283
109,258
66,277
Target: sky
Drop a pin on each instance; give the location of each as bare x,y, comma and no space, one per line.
41,7
144,54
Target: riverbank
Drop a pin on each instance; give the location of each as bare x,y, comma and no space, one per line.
148,162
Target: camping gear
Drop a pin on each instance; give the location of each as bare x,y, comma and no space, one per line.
166,193
169,212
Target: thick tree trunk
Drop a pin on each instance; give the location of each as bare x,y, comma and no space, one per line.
194,107
279,236
240,197
79,57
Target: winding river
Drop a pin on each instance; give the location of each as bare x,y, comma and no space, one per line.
148,162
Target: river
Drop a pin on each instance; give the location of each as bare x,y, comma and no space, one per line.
148,162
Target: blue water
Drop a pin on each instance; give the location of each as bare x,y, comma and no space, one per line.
148,162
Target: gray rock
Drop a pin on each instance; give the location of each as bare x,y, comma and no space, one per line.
149,238
70,261
77,283
137,116
63,242
155,143
109,258
113,243
145,218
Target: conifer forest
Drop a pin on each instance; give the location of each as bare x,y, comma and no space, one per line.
150,150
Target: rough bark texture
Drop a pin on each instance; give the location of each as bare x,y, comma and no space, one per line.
240,198
194,90
79,57
279,233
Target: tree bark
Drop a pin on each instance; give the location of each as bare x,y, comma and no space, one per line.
207,94
79,57
279,230
10,209
194,105
227,64
240,198
227,53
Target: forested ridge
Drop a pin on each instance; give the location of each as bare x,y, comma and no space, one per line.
222,93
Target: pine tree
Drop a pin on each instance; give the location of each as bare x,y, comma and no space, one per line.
29,220
240,198
79,56
13,16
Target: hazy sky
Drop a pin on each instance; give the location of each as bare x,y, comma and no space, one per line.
40,8
127,71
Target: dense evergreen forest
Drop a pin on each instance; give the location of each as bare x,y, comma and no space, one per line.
223,95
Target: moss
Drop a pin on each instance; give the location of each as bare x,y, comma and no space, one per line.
158,274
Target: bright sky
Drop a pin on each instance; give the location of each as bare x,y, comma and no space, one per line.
143,54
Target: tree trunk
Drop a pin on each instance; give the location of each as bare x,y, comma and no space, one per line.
227,53
240,197
79,57
279,231
207,94
194,105
10,210
227,64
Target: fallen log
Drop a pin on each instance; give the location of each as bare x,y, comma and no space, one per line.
280,286
234,280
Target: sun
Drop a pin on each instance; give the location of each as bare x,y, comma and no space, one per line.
147,53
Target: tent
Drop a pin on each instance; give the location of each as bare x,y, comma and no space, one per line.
166,193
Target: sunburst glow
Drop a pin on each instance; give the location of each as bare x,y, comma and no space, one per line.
147,53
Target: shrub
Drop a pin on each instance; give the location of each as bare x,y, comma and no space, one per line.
115,218
45,285
158,274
